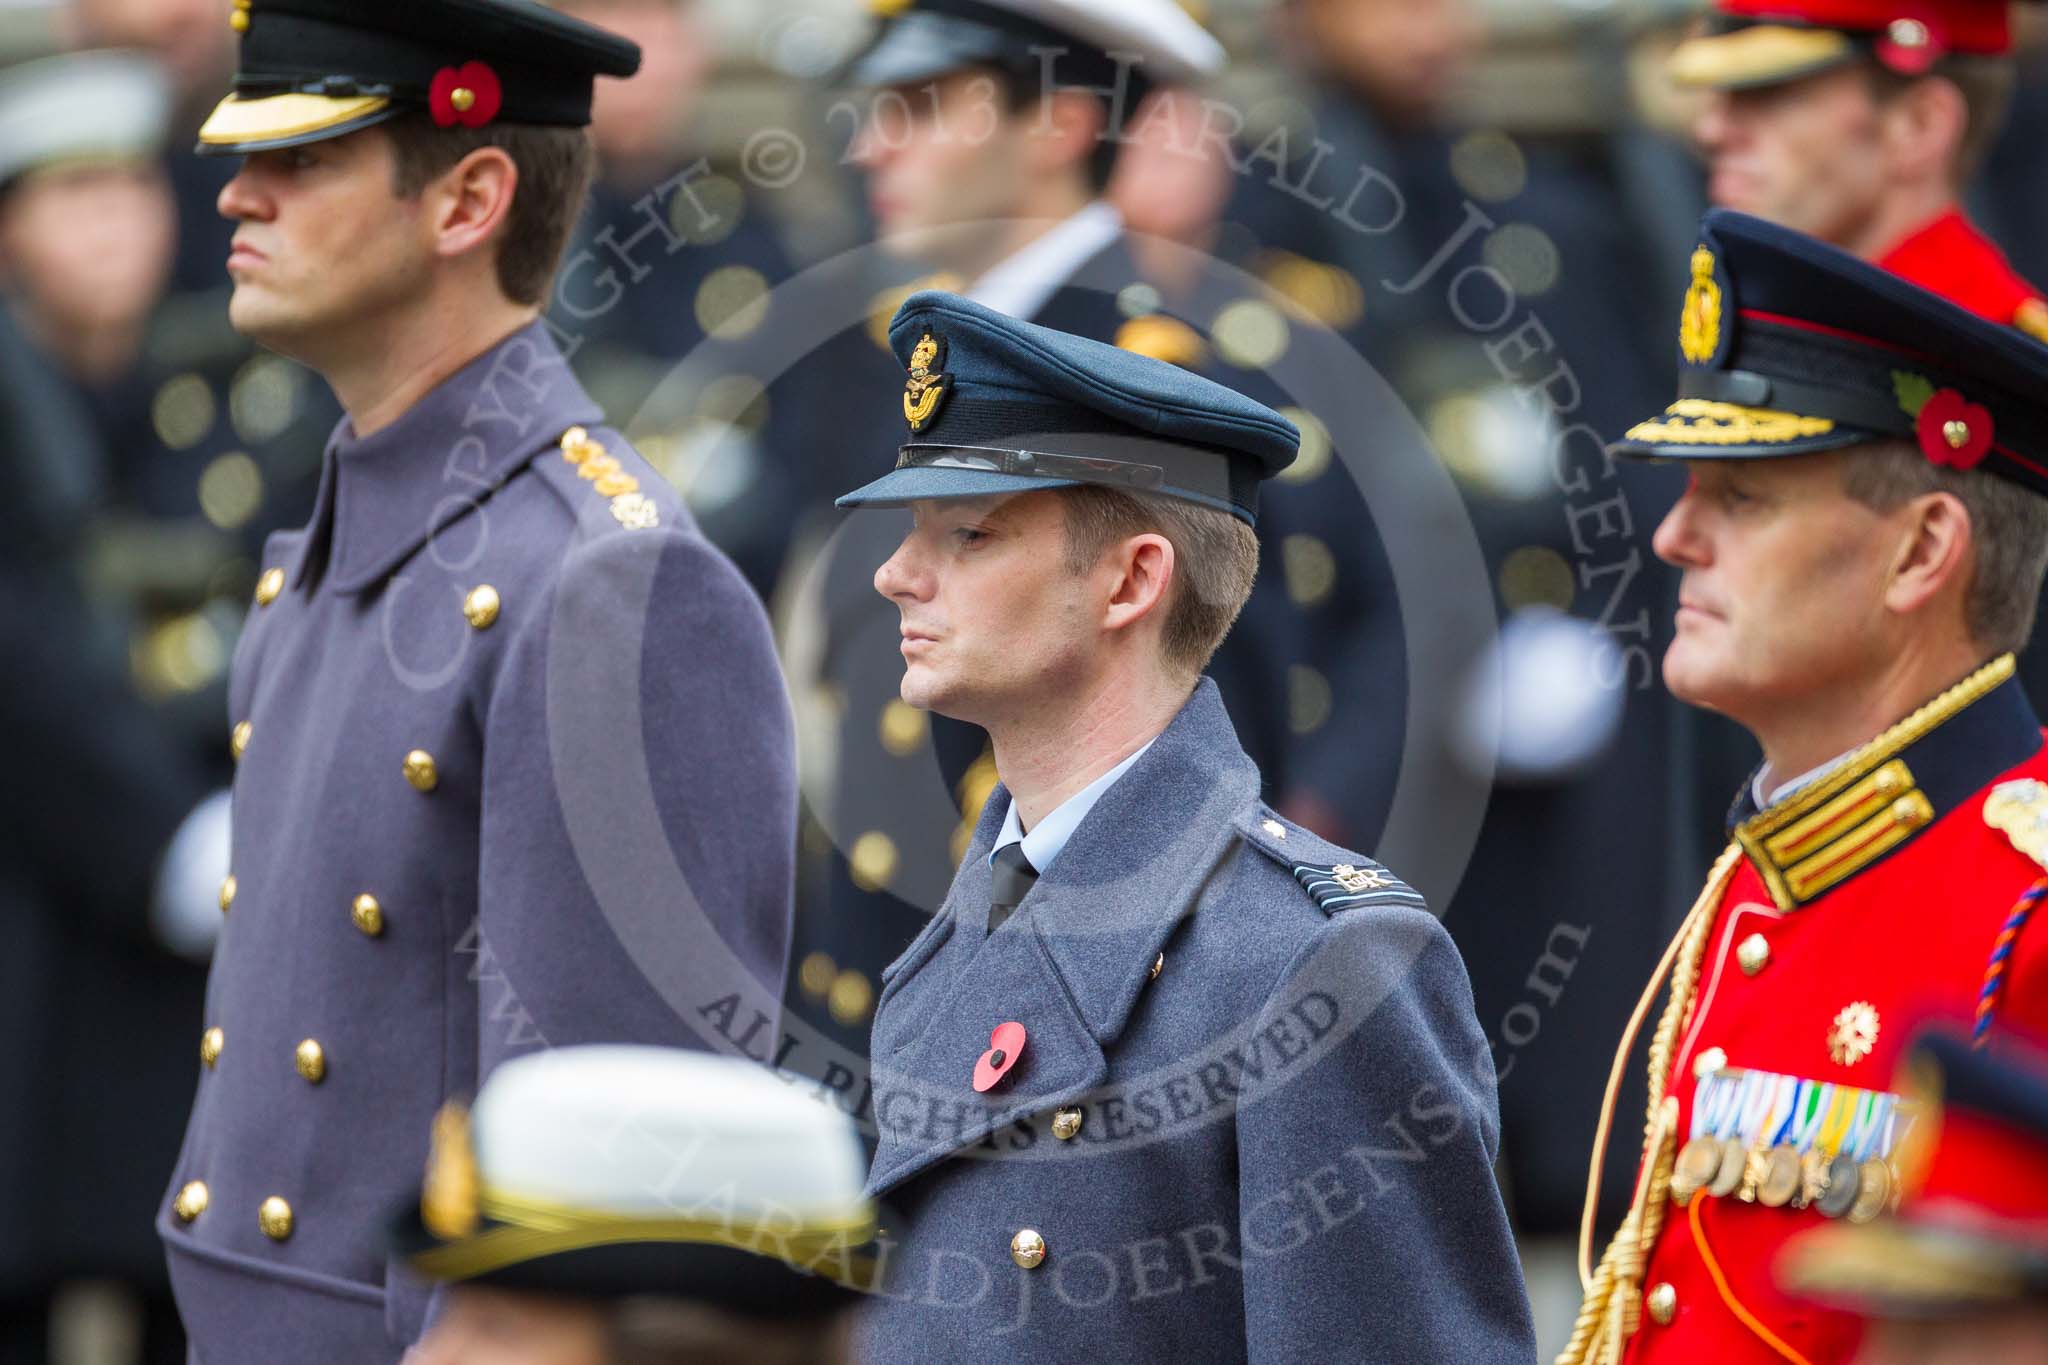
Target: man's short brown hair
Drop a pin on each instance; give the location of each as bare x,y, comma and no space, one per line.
1986,84
555,169
1215,557
2008,532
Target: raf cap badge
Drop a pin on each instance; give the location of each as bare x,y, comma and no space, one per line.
927,386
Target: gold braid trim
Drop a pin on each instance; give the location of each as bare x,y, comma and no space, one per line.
1611,1310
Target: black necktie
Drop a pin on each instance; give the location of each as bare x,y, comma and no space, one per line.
1010,878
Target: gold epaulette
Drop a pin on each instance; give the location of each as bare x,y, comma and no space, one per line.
631,508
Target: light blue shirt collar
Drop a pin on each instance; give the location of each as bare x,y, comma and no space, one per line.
1044,843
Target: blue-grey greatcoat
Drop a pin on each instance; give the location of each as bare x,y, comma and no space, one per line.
516,771
1286,1111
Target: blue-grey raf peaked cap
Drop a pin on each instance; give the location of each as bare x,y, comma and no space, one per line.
996,406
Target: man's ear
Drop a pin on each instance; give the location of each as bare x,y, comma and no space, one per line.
471,201
1068,127
1925,125
1936,553
1144,567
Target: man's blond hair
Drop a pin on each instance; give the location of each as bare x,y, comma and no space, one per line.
1215,557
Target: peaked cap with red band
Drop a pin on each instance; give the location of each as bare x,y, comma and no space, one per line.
311,70
1789,346
1972,1232
1753,43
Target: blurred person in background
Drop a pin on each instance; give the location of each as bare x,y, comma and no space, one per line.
1959,1275
2009,199
217,443
100,781
193,41
641,1206
200,446
674,249
1862,123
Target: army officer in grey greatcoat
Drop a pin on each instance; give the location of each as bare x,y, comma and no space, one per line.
515,761
1168,1077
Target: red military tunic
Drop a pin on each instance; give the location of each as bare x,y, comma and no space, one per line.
1874,895
1955,260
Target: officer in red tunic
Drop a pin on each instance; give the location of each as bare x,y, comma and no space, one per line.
1862,546
1861,122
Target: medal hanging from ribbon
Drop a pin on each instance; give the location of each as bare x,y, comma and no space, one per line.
1785,1142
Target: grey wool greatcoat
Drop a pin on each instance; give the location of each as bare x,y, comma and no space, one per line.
515,771
1253,1117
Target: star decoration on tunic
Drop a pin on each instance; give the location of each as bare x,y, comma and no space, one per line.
1854,1033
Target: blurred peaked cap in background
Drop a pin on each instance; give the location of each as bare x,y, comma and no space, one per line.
613,1170
1971,1233
994,405
1754,43
1789,346
317,69
81,106
923,39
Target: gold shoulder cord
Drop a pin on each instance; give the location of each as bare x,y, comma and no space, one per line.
1612,1307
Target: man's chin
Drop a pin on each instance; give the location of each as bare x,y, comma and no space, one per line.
1693,679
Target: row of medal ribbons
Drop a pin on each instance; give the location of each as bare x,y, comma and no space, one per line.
1781,1141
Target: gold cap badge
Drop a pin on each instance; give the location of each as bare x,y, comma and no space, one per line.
927,386
1699,331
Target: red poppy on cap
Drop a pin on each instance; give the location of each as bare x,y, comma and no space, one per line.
1954,432
469,95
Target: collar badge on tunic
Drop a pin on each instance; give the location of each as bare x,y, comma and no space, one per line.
927,386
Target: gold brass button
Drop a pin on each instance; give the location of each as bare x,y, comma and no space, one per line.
268,587
1066,1123
1708,1062
275,1218
191,1201
367,914
1753,954
421,772
1158,966
312,1061
1909,812
1888,782
481,606
238,740
1663,1304
1027,1249
227,893
210,1044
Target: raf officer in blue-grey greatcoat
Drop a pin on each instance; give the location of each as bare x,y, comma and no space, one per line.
1168,1077
515,759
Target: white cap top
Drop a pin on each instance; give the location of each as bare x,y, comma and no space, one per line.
81,105
927,38
1176,49
660,1133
